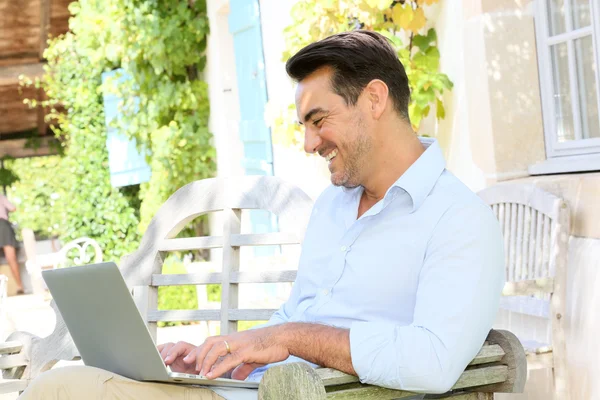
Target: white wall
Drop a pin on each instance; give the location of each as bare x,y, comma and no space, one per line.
308,172
223,92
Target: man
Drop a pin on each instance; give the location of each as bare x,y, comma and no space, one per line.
402,266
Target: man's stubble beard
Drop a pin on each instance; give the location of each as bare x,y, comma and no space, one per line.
356,156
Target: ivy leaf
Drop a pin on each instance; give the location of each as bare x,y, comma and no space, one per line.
379,4
418,20
440,111
403,14
429,60
422,42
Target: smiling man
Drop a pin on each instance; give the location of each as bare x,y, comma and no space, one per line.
402,265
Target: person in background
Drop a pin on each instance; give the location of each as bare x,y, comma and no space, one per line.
8,241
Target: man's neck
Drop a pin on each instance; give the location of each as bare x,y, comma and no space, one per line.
391,158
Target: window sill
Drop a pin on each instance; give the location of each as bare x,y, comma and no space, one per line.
561,165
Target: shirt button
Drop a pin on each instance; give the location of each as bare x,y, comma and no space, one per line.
343,248
324,292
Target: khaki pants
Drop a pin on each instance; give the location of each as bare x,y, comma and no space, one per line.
88,383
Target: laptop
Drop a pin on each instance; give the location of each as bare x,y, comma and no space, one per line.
107,327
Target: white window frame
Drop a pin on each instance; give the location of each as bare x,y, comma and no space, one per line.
579,154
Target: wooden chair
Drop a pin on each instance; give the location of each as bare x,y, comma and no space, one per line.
536,227
499,367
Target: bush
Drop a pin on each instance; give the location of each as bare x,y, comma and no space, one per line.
176,297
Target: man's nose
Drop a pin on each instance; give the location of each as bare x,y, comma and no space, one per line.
312,140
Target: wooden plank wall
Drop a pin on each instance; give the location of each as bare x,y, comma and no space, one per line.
24,29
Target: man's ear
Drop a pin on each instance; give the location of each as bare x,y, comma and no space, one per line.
378,96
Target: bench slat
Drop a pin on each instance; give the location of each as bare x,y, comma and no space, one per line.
12,385
264,276
209,315
263,239
528,287
237,240
488,354
184,315
331,377
186,279
10,347
196,243
16,360
482,376
369,392
215,278
250,315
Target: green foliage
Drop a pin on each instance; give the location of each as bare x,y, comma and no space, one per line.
402,21
160,45
39,196
7,175
176,297
90,205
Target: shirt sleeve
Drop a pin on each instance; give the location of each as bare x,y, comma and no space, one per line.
457,300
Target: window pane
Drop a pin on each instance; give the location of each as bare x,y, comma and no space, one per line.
556,17
580,9
586,76
561,91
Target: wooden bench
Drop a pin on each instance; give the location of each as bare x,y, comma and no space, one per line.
500,366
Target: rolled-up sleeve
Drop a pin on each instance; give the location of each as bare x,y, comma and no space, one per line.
456,303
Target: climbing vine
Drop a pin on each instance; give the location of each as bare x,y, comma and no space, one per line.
159,46
404,22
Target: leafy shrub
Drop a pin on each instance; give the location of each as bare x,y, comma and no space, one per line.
176,297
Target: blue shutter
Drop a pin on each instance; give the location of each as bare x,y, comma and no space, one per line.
244,25
127,165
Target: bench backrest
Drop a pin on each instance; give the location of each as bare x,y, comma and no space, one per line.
142,270
536,227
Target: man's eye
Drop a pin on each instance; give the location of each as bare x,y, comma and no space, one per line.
317,121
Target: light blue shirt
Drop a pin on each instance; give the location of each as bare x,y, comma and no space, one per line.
417,278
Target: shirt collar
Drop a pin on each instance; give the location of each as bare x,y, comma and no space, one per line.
420,178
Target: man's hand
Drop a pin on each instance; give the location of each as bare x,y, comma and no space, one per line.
248,351
173,355
320,344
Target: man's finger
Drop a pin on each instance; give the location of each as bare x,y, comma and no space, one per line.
202,351
165,350
190,358
205,365
181,348
229,362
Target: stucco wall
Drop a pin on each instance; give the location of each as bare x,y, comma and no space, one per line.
493,132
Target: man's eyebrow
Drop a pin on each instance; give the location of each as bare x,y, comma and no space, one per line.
311,113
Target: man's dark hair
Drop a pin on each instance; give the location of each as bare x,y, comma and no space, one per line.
357,57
